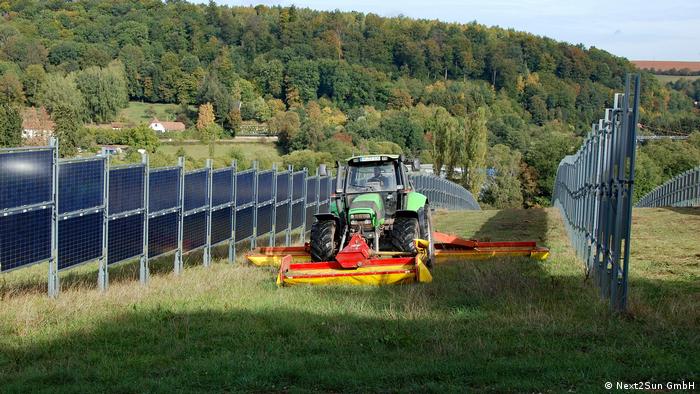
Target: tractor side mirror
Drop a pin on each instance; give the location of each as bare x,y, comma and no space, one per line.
415,164
322,170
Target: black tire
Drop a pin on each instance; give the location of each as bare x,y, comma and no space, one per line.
427,234
324,240
403,233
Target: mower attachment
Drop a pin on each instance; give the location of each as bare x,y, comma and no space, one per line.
447,247
357,264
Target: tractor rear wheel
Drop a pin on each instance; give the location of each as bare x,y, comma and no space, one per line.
324,242
404,231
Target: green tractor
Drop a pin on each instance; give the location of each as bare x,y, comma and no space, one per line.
375,198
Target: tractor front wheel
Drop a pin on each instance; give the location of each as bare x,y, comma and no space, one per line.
404,231
324,243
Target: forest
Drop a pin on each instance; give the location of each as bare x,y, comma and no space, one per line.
496,109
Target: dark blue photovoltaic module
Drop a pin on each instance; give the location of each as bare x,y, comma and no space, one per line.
125,189
311,184
323,196
222,187
194,231
79,240
298,214
244,187
298,185
25,178
220,225
244,223
323,208
80,185
163,189
265,186
196,193
162,234
25,238
265,219
310,212
125,238
282,186
281,217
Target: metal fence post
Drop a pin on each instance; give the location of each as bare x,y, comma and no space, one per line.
273,232
181,217
144,272
318,190
254,238
290,198
302,238
232,240
53,281
206,253
103,271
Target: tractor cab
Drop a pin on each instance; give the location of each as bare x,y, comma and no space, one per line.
373,199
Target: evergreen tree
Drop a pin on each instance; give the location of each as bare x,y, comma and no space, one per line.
10,125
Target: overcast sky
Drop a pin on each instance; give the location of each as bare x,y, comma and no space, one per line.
636,29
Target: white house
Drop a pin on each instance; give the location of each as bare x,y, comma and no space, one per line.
161,126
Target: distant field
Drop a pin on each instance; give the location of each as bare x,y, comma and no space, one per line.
666,65
136,112
265,153
673,78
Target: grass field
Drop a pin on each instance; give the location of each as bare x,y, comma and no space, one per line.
510,325
265,153
135,113
673,78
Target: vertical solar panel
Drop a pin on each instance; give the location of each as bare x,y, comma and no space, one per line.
163,189
220,225
310,212
244,187
25,178
323,196
80,185
126,189
196,189
311,195
298,214
282,218
323,207
194,231
222,187
282,186
25,238
265,219
125,239
298,185
265,186
244,223
79,240
162,234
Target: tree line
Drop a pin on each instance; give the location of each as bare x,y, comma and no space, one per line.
330,84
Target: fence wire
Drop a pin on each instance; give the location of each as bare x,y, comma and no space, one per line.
71,212
681,191
593,190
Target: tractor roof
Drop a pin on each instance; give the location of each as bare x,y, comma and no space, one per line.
372,158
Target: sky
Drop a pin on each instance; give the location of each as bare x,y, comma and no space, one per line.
635,29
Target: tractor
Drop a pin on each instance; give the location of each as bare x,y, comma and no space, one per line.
374,198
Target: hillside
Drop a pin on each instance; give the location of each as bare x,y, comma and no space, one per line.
329,84
504,325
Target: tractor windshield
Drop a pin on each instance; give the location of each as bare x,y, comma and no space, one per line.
371,177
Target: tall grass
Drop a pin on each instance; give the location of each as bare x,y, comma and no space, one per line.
510,325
